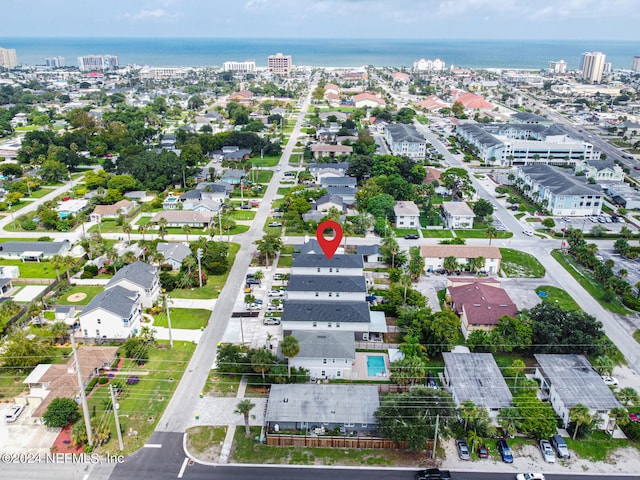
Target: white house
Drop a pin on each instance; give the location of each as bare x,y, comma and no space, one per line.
141,278
457,215
112,314
569,379
71,207
319,264
123,207
434,256
600,170
325,354
407,215
174,253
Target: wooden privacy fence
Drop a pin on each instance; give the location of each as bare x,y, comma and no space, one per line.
284,440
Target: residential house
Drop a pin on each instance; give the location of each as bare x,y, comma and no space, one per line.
325,354
318,263
66,314
407,215
432,103
471,101
457,215
9,271
139,196
115,313
321,408
370,253
602,171
141,278
343,187
47,381
331,88
203,200
174,253
476,377
562,194
405,141
340,288
243,96
567,380
480,302
6,285
327,202
624,195
329,150
434,256
180,218
66,208
103,212
321,170
33,251
368,100
233,176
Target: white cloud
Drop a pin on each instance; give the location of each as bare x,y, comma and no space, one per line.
157,13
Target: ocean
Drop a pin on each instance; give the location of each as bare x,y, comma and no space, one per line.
524,54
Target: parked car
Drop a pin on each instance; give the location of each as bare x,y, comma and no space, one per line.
560,446
463,449
13,413
547,451
271,321
275,224
253,281
505,451
530,476
483,451
411,236
433,474
610,381
634,417
528,233
275,293
245,207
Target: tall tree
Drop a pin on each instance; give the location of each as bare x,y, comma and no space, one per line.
244,408
579,415
290,347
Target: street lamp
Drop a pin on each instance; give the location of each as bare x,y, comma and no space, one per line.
199,256
166,304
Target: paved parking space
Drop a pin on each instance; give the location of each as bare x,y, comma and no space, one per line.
631,266
25,435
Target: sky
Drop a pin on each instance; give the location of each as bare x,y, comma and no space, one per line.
415,19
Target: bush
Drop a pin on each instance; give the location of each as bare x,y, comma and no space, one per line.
60,413
632,430
631,302
90,385
103,380
29,225
133,380
93,269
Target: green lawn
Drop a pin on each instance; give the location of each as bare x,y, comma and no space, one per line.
243,214
107,226
481,233
285,261
187,318
90,290
267,161
141,405
589,282
597,448
42,269
283,190
401,232
203,440
41,192
214,282
437,233
143,220
558,296
261,176
520,264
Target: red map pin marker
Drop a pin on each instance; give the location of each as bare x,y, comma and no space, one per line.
329,246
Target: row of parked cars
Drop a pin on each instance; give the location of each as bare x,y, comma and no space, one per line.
549,449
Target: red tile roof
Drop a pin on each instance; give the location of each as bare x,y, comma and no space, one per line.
482,302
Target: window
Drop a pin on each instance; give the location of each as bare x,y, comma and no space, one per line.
330,294
337,294
315,324
333,360
330,269
328,324
99,321
317,294
323,373
338,374
318,269
86,333
97,332
337,324
337,269
324,361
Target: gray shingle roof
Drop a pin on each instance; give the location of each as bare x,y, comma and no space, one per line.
326,283
321,166
483,137
367,249
322,311
320,260
175,251
402,133
139,273
325,344
476,377
338,182
559,182
117,300
575,381
528,117
49,248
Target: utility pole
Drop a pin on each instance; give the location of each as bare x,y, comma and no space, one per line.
199,255
220,221
435,437
115,414
83,396
166,303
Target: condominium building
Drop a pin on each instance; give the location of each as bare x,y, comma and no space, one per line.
280,64
635,63
559,66
424,65
593,66
242,67
54,62
8,58
97,62
405,140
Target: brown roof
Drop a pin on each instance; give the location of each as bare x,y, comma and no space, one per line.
123,203
105,210
432,174
459,251
483,303
473,101
322,147
368,96
183,216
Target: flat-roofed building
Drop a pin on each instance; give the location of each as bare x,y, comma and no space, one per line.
280,64
8,58
241,67
434,256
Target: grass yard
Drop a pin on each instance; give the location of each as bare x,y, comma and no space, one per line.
437,233
187,318
41,192
141,405
283,190
285,261
401,232
558,296
90,290
206,441
267,161
597,448
214,282
143,220
481,233
262,176
107,226
42,269
219,385
243,214
520,264
589,282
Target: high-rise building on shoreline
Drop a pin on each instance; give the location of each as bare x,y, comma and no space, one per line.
424,65
559,66
242,67
8,58
97,62
593,66
54,62
635,63
280,64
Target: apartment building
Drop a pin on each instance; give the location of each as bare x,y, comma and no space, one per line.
593,66
97,62
241,67
8,58
280,64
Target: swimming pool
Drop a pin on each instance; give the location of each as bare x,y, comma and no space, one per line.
375,366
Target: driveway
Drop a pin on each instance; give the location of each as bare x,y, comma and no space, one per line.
25,435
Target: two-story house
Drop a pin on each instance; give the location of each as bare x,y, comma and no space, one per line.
407,215
112,314
141,278
457,215
325,354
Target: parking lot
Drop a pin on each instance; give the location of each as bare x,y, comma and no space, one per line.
25,435
631,266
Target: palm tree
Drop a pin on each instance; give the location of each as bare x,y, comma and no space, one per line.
68,263
603,365
141,230
508,419
412,346
162,227
623,273
258,275
468,412
627,395
126,228
480,262
269,245
261,361
112,255
129,257
244,408
34,311
391,245
491,233
620,418
56,261
405,282
186,229
580,415
518,367
290,347
474,440
450,263
59,330
189,262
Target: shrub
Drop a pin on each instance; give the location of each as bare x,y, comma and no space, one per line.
631,302
632,430
93,269
60,413
103,380
133,379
